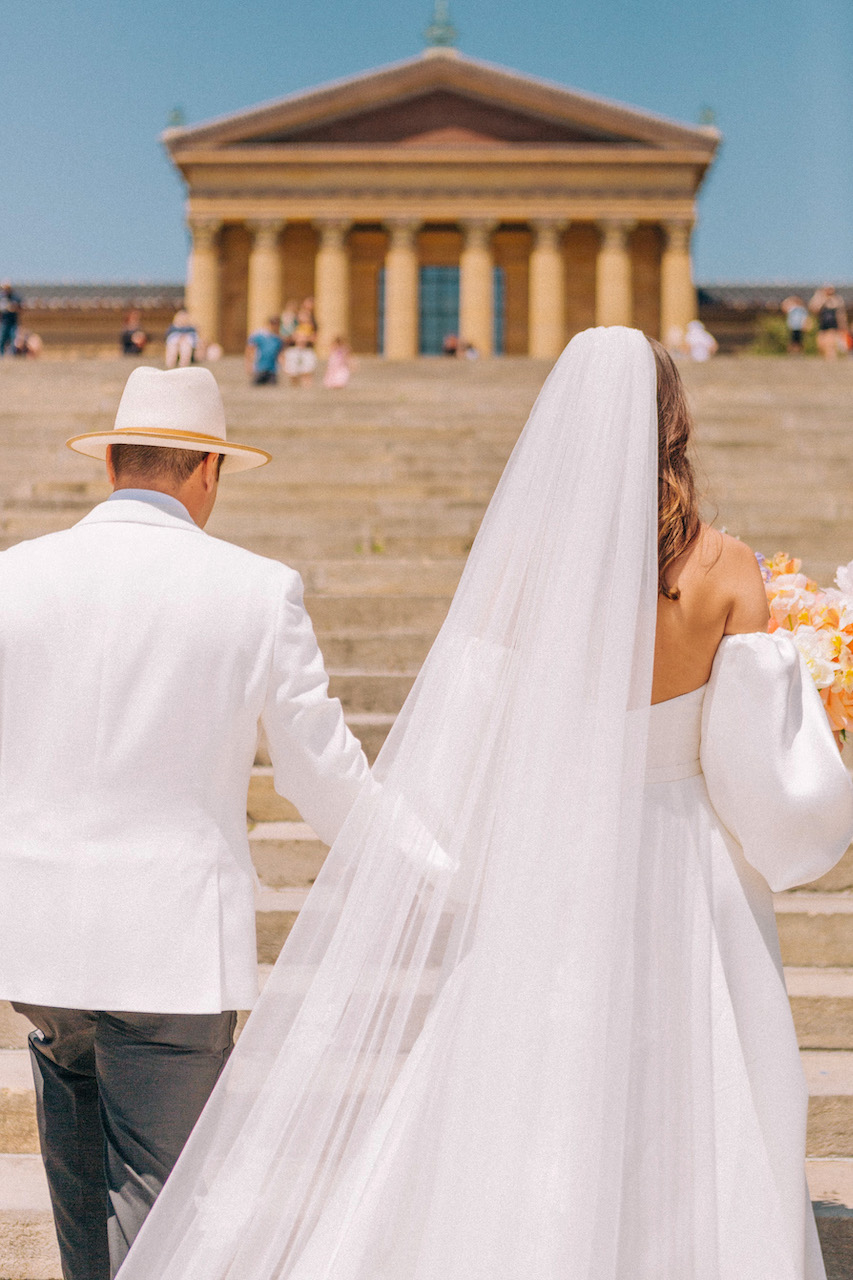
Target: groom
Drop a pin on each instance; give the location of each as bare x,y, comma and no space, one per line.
137,657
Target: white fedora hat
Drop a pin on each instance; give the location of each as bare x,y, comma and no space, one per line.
173,409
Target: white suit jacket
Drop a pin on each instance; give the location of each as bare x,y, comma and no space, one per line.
137,657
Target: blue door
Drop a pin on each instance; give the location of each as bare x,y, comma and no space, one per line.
439,307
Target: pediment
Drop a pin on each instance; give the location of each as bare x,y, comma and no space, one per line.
440,99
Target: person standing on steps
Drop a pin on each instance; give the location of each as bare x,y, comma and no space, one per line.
137,657
11,305
263,350
828,307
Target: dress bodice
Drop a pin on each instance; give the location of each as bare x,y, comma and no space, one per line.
675,729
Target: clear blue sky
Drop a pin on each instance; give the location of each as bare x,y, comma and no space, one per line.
86,193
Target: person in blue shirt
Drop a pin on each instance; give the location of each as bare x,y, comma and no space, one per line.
10,312
262,353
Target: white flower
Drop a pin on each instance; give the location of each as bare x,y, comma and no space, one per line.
844,578
843,603
785,580
818,650
790,600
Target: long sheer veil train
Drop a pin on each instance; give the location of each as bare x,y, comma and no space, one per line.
435,1080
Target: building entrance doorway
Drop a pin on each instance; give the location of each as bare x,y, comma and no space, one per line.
439,309
439,316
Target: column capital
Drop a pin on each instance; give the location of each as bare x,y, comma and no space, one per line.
477,232
547,231
403,232
615,232
677,232
204,231
332,231
265,231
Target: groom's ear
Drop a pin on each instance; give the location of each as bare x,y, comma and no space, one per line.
211,467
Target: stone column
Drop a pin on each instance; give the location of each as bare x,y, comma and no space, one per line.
614,303
677,294
401,292
331,284
477,287
202,293
547,291
264,272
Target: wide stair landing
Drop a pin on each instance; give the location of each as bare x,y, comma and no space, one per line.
376,496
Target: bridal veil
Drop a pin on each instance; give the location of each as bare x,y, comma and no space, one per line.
434,1082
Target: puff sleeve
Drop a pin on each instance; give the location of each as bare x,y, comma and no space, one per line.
773,771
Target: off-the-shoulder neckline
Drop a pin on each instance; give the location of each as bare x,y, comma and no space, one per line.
691,693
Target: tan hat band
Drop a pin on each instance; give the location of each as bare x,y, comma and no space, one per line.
172,433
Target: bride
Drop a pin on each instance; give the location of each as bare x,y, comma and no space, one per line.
531,1023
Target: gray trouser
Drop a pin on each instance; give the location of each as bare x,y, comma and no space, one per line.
117,1096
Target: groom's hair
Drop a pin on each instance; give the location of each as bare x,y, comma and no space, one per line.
153,462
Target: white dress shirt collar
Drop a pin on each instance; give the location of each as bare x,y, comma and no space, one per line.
164,501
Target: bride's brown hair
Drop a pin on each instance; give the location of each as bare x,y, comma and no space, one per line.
678,509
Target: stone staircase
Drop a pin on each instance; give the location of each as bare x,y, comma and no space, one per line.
375,496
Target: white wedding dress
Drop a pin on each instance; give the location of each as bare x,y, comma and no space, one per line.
531,1024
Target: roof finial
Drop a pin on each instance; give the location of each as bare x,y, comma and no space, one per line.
441,33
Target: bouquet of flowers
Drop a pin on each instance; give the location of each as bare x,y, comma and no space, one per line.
820,620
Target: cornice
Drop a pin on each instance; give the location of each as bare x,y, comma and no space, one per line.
503,154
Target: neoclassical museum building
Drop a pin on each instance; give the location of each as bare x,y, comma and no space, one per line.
442,195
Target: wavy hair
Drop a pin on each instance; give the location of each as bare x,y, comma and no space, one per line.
678,509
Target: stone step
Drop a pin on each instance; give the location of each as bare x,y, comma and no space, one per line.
822,1005
375,575
815,929
278,542
286,855
264,804
365,691
841,875
376,615
391,653
829,1076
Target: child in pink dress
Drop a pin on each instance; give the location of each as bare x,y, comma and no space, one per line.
339,366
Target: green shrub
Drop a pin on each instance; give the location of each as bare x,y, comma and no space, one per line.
771,338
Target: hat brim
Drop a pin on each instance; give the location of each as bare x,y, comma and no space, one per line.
238,457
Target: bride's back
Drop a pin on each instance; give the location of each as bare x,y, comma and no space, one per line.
720,592
710,584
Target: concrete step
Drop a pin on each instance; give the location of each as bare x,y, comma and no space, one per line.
822,1005
291,547
28,1249
377,576
376,615
264,803
816,929
829,1076
841,875
366,691
392,653
286,855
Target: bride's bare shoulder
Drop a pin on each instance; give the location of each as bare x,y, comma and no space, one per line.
735,577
